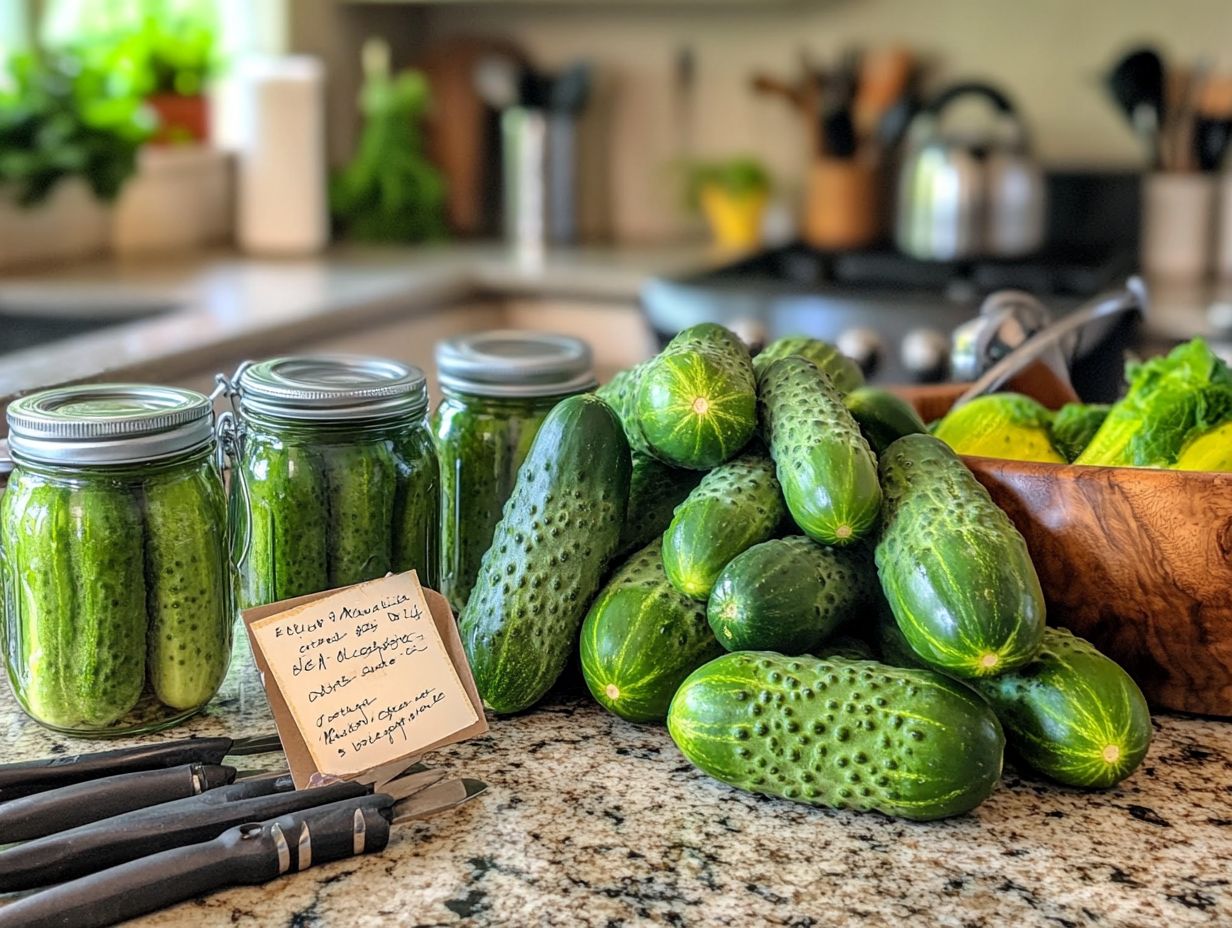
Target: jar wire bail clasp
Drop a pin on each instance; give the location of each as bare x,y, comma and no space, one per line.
228,431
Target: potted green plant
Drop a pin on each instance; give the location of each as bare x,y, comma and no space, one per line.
68,145
732,194
167,60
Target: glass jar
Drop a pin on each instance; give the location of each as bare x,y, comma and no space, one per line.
497,388
118,590
337,480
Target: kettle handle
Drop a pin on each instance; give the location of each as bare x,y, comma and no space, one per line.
998,99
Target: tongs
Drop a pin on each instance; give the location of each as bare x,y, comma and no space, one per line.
255,851
35,776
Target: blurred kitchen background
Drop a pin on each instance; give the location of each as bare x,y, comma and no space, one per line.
184,183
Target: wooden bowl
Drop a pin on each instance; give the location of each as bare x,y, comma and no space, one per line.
1138,561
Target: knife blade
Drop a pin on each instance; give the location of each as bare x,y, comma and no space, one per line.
34,776
66,807
251,853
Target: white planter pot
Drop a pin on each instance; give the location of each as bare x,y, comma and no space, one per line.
179,199
69,225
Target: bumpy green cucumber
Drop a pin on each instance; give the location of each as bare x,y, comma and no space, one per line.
882,416
287,498
954,569
1072,714
641,638
37,522
620,393
844,373
362,482
549,554
188,584
417,504
840,733
789,595
828,471
697,400
109,565
655,490
736,506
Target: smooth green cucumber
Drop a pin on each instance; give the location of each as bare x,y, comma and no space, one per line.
1001,425
549,554
1074,425
43,589
736,506
362,482
655,490
953,568
417,506
1072,714
844,373
620,393
826,468
789,595
285,531
641,638
109,646
697,400
840,733
883,417
188,585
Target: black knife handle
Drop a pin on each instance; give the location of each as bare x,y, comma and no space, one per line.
80,803
121,838
35,776
249,853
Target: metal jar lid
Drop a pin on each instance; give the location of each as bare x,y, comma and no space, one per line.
514,363
110,423
332,387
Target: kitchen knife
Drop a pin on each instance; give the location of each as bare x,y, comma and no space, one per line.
121,838
251,853
34,776
80,803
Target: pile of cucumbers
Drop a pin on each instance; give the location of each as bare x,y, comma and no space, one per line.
816,595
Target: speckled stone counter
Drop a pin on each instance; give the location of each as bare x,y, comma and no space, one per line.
591,821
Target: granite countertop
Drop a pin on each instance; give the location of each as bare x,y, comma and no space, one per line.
223,304
592,821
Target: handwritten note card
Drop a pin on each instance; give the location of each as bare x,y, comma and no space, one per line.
366,674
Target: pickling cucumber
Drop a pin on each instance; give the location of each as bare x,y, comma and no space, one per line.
736,506
697,399
188,584
41,590
655,490
361,482
641,638
954,569
789,595
849,734
844,373
826,468
1072,714
285,532
549,555
109,642
417,505
883,417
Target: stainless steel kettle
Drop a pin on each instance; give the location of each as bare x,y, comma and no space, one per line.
969,195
